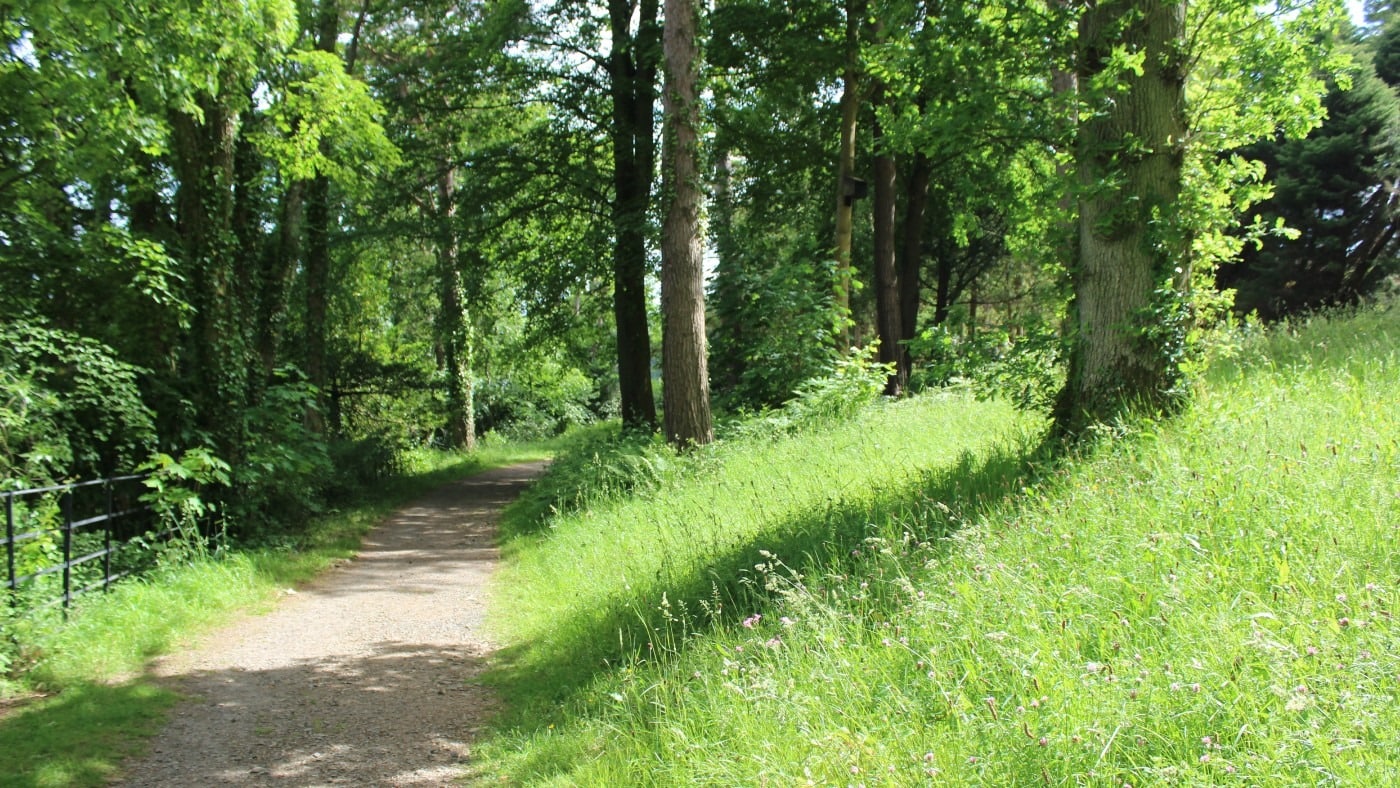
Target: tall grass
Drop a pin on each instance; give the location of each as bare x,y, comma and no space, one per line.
1204,601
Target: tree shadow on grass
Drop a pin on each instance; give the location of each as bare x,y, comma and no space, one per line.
79,737
829,536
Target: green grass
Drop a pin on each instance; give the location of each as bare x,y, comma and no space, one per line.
1204,601
100,706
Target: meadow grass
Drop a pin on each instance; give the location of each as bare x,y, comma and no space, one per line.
83,702
1208,600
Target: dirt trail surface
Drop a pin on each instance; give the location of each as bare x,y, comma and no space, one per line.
365,677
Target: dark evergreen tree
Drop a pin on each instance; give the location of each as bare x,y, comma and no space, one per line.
1336,188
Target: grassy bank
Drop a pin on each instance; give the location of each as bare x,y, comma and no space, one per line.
904,600
82,704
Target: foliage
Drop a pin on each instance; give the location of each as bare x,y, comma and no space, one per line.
68,407
1025,368
772,326
1331,192
596,466
326,123
1262,75
279,479
851,385
178,494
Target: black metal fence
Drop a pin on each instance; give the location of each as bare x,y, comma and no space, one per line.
69,539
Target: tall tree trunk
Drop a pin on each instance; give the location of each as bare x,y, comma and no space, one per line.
318,247
728,290
317,279
632,69
845,169
683,355
1129,161
279,262
214,358
453,327
911,263
887,306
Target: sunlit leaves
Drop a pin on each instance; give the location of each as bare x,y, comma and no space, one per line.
326,123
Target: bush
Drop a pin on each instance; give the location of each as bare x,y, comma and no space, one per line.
68,407
361,462
281,476
1025,367
848,386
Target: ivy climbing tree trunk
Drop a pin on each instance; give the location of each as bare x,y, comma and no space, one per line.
851,86
684,366
887,304
214,365
453,327
1129,157
279,262
632,71
911,261
318,246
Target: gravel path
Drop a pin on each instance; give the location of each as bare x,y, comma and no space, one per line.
365,677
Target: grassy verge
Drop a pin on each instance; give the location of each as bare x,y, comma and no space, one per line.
89,714
1205,601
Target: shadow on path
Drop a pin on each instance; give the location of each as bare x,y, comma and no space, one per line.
368,676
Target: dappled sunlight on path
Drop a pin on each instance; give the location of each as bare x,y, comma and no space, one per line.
366,677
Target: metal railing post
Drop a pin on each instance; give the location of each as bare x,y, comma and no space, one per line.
10,537
107,541
67,550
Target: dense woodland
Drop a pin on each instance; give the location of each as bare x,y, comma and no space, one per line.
307,236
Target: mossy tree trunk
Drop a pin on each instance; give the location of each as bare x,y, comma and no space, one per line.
1129,157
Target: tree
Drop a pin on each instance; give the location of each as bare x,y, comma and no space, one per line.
853,85
1158,202
1130,155
632,71
683,353
1335,190
774,74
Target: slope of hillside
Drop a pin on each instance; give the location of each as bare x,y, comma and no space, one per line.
1207,600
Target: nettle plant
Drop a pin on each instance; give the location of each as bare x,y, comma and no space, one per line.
178,494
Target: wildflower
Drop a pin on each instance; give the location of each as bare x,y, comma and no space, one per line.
929,757
785,621
773,643
751,620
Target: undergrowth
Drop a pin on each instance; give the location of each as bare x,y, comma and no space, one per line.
910,597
